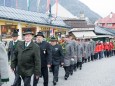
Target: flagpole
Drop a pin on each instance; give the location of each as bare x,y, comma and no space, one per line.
28,5
48,5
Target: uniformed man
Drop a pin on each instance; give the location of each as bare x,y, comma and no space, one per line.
89,50
57,58
83,45
13,43
86,51
79,54
76,55
11,48
27,58
68,57
92,49
46,58
74,59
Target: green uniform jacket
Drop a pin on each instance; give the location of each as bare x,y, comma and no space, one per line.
27,59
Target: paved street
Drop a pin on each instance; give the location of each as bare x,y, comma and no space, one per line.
97,73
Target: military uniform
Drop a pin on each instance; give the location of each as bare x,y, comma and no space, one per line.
46,59
11,48
74,59
86,51
89,51
57,58
92,49
80,55
68,57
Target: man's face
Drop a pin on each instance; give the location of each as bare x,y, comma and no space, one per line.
15,38
39,39
53,43
70,37
66,39
28,37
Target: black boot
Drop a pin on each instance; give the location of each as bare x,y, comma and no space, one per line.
54,82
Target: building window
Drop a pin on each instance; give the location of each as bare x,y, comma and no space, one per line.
100,24
6,30
109,24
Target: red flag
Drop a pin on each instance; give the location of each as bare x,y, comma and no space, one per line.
56,7
16,3
48,4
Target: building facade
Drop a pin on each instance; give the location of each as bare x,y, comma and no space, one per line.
107,22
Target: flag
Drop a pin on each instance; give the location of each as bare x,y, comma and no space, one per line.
56,7
48,5
16,3
51,32
28,5
38,5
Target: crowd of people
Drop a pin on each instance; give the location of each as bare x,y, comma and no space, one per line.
36,57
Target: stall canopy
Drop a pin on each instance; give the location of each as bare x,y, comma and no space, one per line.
84,34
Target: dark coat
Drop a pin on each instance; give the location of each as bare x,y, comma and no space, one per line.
11,48
45,53
57,55
27,59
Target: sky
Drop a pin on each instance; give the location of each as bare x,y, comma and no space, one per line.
102,7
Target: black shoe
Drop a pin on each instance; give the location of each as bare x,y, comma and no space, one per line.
54,82
57,80
71,73
80,68
65,78
75,69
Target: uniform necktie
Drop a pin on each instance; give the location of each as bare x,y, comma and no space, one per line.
14,43
26,44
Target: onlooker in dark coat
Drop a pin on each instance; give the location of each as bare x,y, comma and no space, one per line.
4,76
27,58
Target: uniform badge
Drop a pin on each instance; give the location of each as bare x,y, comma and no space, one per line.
56,49
44,51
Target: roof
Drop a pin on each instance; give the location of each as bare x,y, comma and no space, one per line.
110,30
61,9
99,30
109,19
8,13
77,23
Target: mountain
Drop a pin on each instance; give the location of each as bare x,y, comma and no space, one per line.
74,6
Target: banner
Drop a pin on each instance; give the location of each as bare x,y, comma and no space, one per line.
48,5
56,7
16,3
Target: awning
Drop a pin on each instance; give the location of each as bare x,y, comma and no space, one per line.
84,34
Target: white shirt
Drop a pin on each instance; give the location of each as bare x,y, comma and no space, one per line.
27,44
14,42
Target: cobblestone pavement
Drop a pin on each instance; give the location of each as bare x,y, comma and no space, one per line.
96,73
